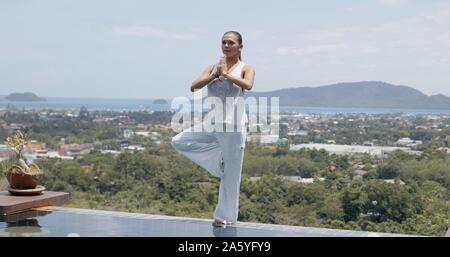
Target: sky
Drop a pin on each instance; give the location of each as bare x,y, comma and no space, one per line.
155,49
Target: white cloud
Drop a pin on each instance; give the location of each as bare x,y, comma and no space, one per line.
152,32
394,3
412,51
352,9
342,41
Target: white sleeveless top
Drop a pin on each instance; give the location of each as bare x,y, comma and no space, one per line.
223,88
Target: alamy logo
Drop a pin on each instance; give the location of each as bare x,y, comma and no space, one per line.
226,115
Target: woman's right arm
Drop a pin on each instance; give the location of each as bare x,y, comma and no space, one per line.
203,79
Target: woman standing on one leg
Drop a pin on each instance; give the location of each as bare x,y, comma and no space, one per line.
221,153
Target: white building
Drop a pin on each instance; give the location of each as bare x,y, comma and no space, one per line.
299,179
379,151
134,147
128,133
298,133
142,133
269,139
49,154
296,179
404,141
113,152
393,181
262,139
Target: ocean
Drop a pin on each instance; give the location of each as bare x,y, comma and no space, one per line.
59,103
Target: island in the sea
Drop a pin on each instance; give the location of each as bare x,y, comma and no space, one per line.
160,101
27,96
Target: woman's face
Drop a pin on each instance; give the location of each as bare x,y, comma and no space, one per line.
230,45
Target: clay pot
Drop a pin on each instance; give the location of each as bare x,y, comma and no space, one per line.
22,181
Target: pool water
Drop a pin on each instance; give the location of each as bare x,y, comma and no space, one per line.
67,222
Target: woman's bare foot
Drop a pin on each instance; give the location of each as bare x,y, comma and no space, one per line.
219,223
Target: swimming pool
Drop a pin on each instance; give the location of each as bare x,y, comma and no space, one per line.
63,222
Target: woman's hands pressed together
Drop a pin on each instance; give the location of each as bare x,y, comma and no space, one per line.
222,69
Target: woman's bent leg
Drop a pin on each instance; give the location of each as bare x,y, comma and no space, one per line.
202,148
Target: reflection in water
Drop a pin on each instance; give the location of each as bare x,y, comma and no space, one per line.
23,224
23,227
227,231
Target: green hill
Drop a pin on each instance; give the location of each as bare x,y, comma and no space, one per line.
27,96
366,94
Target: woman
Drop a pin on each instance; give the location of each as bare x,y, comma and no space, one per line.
221,153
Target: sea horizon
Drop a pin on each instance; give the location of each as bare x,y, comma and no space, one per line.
130,104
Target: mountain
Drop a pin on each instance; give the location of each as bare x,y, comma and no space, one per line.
27,96
366,94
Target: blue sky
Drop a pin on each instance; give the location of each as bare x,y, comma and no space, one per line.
154,49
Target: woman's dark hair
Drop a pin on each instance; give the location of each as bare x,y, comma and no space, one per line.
238,35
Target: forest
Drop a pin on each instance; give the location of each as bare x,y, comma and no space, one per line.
158,180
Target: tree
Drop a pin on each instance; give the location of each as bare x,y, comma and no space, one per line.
389,201
303,215
389,171
84,114
353,201
306,168
331,209
3,134
306,194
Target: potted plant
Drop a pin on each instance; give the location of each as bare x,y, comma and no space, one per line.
20,174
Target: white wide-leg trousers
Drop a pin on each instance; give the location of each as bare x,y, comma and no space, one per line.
221,154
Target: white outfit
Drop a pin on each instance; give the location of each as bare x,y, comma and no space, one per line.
220,153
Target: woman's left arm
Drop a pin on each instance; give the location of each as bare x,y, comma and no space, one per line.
247,81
